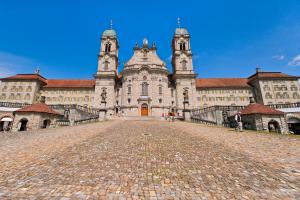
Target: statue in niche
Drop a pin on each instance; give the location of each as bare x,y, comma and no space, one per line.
103,95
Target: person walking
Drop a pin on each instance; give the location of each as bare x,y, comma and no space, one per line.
238,120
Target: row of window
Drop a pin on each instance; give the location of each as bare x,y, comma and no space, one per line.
224,91
17,89
70,99
13,96
159,101
16,83
281,88
144,91
68,92
231,98
282,95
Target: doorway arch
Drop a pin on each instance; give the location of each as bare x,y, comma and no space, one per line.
144,110
22,125
273,126
294,125
5,123
46,123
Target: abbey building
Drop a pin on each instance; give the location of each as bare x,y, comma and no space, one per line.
145,87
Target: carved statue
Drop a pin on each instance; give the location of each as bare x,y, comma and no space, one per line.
185,95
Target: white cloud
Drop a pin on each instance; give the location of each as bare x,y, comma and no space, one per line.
278,57
295,61
11,64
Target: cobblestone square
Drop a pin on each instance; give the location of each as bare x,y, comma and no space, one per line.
148,159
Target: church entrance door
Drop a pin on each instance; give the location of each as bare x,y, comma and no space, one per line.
144,109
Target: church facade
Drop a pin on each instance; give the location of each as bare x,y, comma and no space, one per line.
145,87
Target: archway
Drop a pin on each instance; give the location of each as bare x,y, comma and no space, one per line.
273,126
46,123
294,125
22,126
144,109
5,123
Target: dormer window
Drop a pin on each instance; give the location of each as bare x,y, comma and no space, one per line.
107,47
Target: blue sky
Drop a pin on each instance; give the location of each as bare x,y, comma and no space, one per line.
229,38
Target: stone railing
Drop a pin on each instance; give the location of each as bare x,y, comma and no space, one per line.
202,121
89,110
63,122
84,121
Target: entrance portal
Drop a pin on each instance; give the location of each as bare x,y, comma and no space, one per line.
273,126
144,109
294,125
22,126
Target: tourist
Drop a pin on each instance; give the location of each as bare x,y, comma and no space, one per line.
238,120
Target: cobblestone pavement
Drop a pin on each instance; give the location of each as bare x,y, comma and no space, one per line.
149,159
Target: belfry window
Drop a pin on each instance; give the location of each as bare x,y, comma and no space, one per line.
107,47
182,46
145,89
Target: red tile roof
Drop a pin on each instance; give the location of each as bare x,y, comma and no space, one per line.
255,108
222,83
38,108
26,77
271,75
55,83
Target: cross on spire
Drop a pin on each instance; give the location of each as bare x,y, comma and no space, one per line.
178,22
111,24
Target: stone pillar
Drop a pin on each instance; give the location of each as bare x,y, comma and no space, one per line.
102,114
187,114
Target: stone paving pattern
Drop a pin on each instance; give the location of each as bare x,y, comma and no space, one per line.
148,159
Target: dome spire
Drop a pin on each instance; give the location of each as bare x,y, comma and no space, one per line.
111,24
179,22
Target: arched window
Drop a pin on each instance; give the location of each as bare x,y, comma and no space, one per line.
4,89
18,96
285,95
12,96
160,91
183,65
29,89
295,95
107,47
20,89
144,89
278,95
294,88
182,46
268,95
3,96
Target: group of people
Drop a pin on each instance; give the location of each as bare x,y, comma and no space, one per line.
170,116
